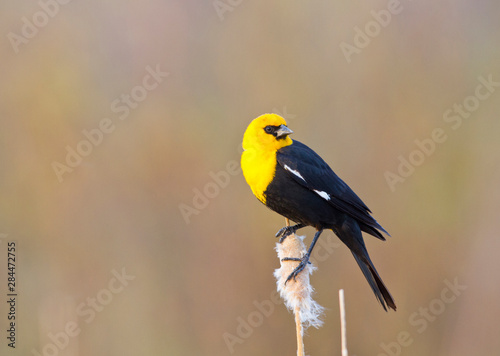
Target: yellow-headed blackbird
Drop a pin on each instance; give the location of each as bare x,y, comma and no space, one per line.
294,181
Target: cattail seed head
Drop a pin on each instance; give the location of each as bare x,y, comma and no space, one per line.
297,293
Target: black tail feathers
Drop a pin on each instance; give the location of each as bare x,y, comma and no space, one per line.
375,282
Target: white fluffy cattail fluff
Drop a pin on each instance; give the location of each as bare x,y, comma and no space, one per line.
297,293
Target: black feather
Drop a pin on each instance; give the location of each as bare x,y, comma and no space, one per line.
300,174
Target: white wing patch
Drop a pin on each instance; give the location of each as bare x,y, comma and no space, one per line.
322,194
294,172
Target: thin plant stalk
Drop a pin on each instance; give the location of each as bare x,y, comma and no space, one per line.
297,293
343,323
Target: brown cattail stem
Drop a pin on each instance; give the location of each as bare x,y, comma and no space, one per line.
343,323
300,333
297,292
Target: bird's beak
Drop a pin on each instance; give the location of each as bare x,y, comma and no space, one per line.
283,131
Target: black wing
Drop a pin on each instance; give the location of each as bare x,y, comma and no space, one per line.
308,169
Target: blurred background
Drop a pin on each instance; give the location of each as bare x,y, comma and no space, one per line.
120,131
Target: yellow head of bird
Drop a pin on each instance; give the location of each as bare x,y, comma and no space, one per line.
267,132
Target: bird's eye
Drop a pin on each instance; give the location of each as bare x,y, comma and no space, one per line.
268,129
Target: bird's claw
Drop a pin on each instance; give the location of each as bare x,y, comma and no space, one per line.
304,261
284,232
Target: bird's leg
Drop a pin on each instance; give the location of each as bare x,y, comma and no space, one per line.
304,260
288,230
